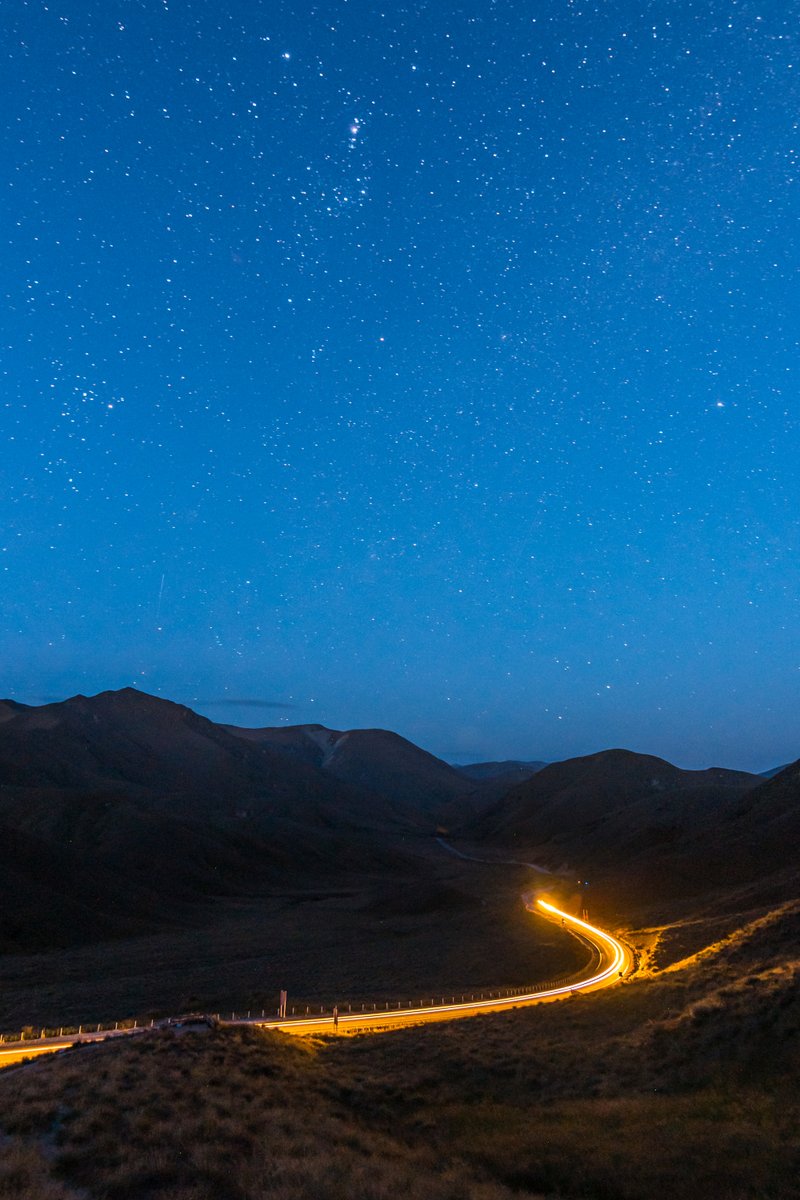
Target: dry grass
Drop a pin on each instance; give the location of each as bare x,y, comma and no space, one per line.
228,1115
25,1173
634,1148
700,939
687,1081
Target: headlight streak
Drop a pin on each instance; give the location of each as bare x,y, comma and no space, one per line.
613,960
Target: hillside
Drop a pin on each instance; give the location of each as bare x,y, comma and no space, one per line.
763,830
509,768
10,708
492,781
156,749
589,792
420,785
120,810
684,1080
684,1076
123,814
82,866
646,827
773,771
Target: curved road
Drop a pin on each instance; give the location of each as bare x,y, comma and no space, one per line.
613,962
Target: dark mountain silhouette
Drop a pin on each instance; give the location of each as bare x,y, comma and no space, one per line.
511,769
641,824
773,771
420,785
311,744
152,748
750,844
762,832
9,709
119,810
122,811
609,789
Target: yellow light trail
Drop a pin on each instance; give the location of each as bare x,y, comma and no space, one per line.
614,962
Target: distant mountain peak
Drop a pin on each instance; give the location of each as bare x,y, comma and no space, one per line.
378,760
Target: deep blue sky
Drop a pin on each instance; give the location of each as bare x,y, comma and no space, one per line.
434,369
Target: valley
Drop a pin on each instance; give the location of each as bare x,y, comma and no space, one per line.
232,870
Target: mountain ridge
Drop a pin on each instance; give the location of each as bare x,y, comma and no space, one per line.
376,759
150,807
649,833
128,793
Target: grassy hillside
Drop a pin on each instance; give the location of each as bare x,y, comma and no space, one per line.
685,1080
123,813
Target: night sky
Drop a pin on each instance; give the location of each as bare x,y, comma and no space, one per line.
433,368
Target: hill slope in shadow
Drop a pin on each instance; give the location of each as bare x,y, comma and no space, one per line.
650,827
118,811
421,786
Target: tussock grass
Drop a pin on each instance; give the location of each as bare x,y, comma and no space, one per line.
687,1081
25,1174
634,1148
233,1115
735,936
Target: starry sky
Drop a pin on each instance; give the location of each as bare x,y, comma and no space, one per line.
432,368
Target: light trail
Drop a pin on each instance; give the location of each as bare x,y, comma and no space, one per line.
620,957
15,1052
19,1051
614,961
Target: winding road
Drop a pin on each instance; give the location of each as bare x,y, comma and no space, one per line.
611,961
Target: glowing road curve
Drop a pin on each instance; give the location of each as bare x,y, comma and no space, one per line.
614,961
611,961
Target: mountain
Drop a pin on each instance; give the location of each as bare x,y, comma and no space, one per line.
118,811
312,744
9,709
82,866
641,827
420,785
588,796
511,769
122,811
155,750
773,771
763,831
